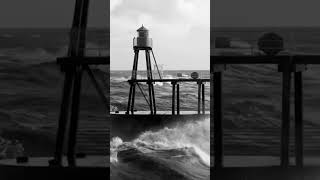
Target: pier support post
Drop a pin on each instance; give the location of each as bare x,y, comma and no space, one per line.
178,99
64,113
74,116
150,83
203,99
298,107
173,97
199,97
131,97
133,82
216,110
285,68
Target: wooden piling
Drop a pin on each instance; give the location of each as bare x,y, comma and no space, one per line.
203,99
173,97
178,99
298,107
199,97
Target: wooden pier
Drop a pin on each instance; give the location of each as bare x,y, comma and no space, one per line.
175,100
287,65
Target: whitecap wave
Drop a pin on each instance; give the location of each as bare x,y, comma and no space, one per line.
195,135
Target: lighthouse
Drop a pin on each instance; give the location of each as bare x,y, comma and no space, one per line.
142,43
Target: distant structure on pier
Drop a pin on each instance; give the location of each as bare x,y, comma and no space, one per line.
142,43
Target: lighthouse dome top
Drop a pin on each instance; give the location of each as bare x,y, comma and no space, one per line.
142,28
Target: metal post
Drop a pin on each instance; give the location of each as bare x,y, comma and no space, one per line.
149,74
178,99
199,97
74,116
129,98
79,50
173,96
298,118
285,132
217,118
63,116
152,87
133,96
97,86
203,99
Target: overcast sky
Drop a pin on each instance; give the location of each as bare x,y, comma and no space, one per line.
49,13
265,12
179,28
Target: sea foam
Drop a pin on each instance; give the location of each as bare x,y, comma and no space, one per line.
195,135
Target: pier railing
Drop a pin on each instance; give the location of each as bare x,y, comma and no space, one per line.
287,64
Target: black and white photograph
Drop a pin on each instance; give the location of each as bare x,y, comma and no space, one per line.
159,89
265,89
54,107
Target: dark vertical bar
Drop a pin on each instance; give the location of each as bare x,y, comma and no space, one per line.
81,45
63,116
154,100
178,99
149,82
199,97
285,133
133,97
203,99
298,118
74,116
173,96
152,87
83,28
97,86
78,49
129,98
132,83
74,34
135,65
217,115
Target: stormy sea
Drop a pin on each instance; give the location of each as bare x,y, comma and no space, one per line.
30,97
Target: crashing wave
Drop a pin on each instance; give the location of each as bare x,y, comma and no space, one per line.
182,151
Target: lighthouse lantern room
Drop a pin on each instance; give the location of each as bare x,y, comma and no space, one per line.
142,41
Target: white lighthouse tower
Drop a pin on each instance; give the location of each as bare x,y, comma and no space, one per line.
142,43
